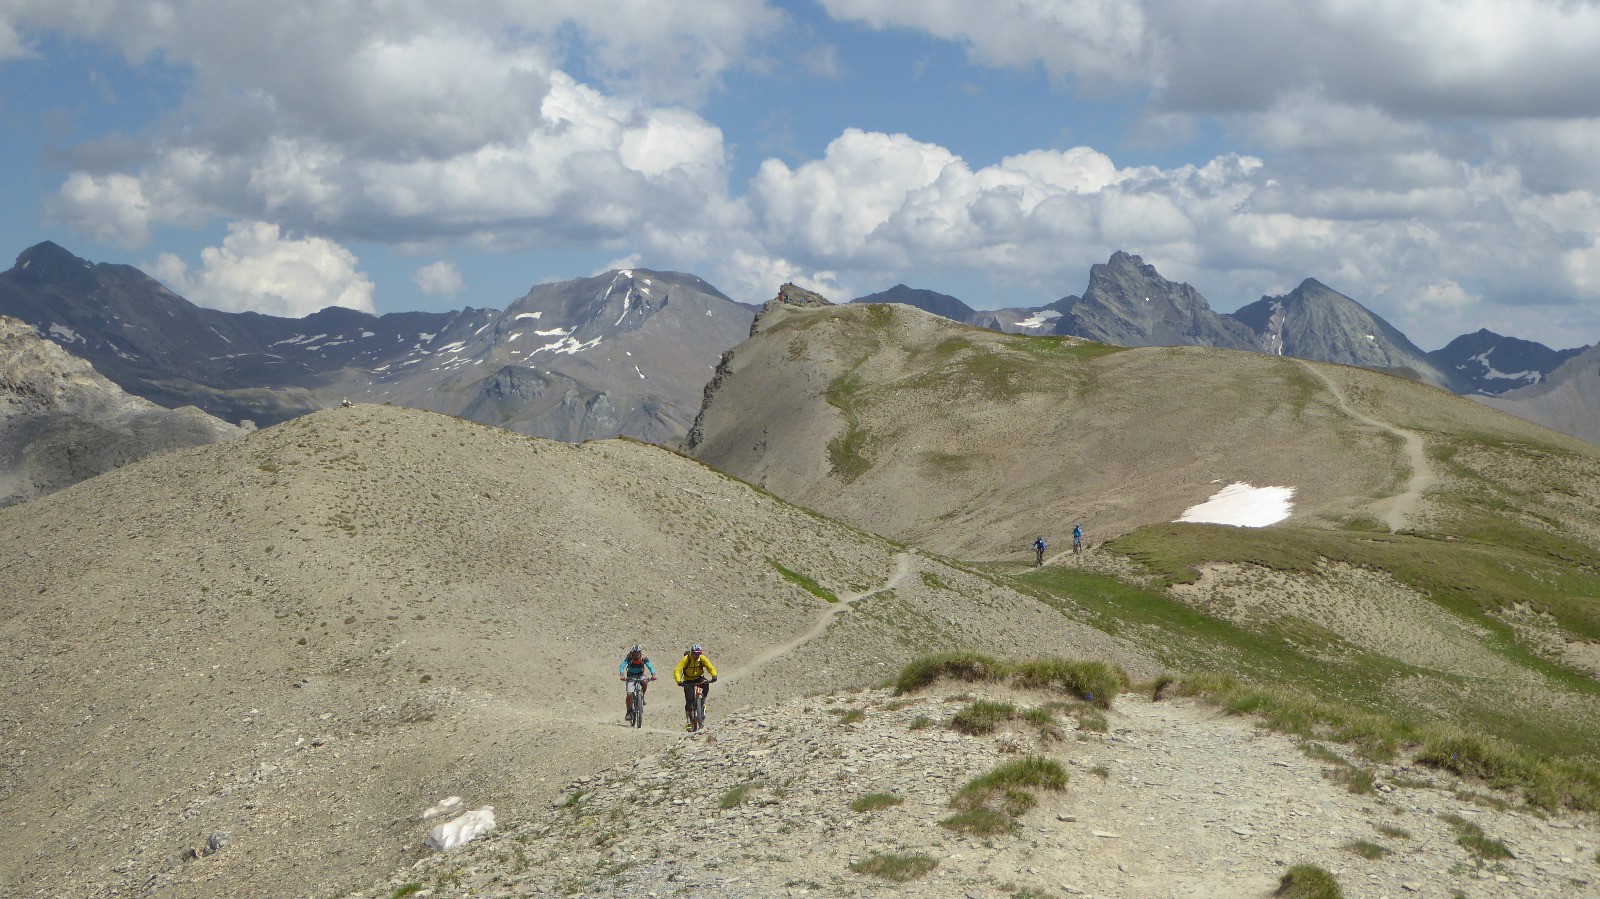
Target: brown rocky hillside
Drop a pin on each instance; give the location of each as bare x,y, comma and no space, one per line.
296,641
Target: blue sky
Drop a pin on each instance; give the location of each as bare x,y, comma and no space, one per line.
1434,159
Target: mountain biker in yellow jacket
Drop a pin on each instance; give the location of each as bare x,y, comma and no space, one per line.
694,670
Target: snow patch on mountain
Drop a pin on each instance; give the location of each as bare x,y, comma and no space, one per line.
1532,377
1039,319
1242,505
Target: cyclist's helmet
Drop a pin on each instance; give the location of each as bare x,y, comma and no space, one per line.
636,651
696,649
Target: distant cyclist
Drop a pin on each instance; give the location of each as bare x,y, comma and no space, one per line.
635,665
694,670
1077,539
1038,551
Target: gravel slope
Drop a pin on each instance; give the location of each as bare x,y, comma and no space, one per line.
302,637
1173,800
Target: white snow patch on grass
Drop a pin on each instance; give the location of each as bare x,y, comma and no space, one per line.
1244,506
462,830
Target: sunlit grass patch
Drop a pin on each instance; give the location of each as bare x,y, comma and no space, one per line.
899,868
1308,882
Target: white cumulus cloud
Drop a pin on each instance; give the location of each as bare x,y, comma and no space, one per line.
257,269
440,279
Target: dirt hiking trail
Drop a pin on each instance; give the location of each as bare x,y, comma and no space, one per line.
1403,505
847,601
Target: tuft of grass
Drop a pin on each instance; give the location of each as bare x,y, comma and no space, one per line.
1366,849
980,822
899,868
959,666
405,889
1091,681
990,803
982,717
1397,833
1093,720
803,582
1160,686
1308,882
736,796
1357,780
848,716
919,722
1041,716
874,801
1471,837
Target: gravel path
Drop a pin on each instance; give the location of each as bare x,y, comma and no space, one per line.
1174,800
1403,505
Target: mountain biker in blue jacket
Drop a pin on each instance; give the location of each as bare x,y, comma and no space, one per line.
1038,551
1077,538
634,667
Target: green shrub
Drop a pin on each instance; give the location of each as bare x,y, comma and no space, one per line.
1308,882
898,868
405,890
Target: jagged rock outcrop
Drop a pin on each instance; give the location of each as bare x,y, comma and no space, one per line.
1128,303
62,422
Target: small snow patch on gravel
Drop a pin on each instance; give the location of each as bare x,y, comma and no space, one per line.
1243,505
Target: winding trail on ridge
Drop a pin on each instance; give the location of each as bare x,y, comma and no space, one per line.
903,566
1403,505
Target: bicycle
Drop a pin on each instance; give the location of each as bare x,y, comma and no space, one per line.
636,690
697,710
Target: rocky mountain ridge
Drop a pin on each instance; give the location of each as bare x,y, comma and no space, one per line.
1128,303
1484,363
62,422
626,352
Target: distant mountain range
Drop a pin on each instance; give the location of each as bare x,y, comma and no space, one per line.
629,352
1129,303
626,352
